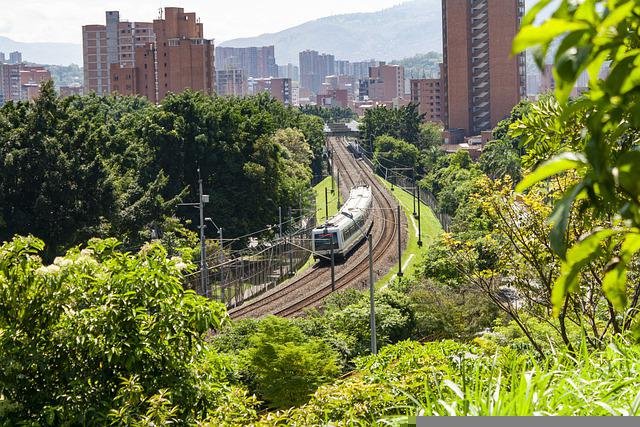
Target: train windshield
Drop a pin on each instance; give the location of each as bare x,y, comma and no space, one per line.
323,241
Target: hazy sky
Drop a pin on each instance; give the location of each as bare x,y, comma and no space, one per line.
61,20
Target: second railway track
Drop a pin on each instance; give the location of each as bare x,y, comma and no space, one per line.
309,288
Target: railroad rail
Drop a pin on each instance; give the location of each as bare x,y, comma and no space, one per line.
309,288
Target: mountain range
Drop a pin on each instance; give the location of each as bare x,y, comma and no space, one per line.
397,32
44,53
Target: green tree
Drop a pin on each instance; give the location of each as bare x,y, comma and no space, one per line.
607,161
288,366
499,159
390,152
73,334
402,123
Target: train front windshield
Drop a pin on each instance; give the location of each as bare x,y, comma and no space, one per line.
323,241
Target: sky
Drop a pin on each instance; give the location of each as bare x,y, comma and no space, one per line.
62,20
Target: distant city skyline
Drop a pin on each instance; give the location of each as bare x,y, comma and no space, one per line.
61,20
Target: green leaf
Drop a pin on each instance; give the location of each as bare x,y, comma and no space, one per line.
627,172
560,218
530,36
561,163
531,15
578,256
617,14
614,284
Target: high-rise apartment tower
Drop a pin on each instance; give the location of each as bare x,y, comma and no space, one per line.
482,81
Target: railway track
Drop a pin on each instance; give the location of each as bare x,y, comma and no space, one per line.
311,287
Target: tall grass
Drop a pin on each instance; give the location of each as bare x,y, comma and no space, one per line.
605,382
447,378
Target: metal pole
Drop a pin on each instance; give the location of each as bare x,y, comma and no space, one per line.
221,268
413,192
338,198
333,190
333,266
326,205
372,312
400,274
290,247
203,249
419,216
280,250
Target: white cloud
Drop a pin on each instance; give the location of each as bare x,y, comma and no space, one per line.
61,20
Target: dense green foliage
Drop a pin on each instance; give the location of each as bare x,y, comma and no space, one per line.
330,115
541,290
402,123
79,336
604,160
117,166
452,379
390,153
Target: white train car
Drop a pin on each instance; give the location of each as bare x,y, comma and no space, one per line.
343,231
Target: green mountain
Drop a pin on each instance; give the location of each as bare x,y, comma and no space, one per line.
397,32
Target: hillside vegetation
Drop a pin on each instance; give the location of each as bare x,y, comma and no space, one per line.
396,32
529,305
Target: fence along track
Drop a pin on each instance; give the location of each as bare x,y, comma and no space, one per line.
312,286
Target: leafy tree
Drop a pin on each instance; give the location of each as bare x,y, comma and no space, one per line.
430,136
390,152
103,334
499,159
607,160
51,181
402,123
288,366
89,166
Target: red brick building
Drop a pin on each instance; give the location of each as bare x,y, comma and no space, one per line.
148,59
481,81
20,82
386,82
280,88
427,93
334,98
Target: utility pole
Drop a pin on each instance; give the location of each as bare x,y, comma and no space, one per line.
413,191
202,199
333,266
290,247
372,308
333,190
419,227
338,198
221,266
280,236
204,274
400,274
326,205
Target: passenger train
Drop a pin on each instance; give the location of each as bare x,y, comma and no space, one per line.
345,230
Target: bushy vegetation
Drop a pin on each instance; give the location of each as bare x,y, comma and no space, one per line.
102,336
91,166
528,306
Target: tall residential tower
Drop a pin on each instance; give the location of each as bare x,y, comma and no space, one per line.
482,81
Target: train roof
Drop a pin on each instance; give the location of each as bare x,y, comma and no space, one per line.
359,199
